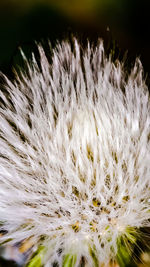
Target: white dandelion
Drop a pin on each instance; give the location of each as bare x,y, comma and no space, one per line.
74,158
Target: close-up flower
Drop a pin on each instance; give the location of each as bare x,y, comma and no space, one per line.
74,158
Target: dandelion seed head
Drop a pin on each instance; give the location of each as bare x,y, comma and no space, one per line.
74,159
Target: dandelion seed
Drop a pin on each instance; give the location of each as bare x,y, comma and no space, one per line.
74,158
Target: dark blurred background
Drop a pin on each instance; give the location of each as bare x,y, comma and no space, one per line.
123,24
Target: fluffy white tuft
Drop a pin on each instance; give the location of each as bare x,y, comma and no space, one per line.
74,155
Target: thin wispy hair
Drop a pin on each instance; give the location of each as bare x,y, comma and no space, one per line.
74,154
